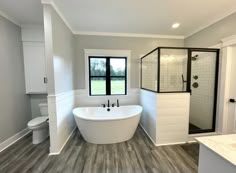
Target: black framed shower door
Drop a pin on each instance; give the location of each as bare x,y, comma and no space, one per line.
203,99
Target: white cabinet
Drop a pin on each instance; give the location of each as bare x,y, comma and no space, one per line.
35,71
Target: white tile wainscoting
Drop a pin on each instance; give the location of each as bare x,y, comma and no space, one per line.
149,115
82,98
165,117
172,118
61,120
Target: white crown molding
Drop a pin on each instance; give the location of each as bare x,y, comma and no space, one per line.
94,33
127,35
217,46
11,19
207,25
229,41
51,2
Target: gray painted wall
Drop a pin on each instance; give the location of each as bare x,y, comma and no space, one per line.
60,55
138,47
34,103
63,54
14,103
213,34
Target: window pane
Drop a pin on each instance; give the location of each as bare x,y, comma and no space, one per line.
97,66
98,86
118,85
117,67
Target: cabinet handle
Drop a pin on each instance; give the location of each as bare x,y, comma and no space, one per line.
232,100
45,80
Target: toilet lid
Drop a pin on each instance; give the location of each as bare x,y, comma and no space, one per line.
37,121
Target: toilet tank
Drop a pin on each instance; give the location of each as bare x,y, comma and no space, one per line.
43,109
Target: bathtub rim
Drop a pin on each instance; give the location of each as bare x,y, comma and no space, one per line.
108,119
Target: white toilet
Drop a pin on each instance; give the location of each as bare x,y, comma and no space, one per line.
39,125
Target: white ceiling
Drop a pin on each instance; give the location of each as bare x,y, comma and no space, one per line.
23,12
126,16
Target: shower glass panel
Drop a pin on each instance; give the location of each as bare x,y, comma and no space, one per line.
203,87
185,70
149,71
173,70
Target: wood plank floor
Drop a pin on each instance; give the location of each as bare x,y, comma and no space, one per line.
137,155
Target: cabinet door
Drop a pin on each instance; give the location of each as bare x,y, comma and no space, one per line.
34,62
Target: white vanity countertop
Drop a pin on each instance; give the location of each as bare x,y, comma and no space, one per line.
223,145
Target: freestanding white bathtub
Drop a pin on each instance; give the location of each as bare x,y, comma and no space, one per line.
99,126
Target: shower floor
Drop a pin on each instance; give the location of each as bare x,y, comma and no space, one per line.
192,127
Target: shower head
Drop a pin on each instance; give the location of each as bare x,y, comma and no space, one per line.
194,58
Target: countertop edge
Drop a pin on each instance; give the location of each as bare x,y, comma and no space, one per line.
198,139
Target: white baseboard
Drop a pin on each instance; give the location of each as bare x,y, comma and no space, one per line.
147,134
7,143
158,145
57,153
172,143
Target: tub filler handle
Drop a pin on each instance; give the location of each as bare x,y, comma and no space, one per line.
117,103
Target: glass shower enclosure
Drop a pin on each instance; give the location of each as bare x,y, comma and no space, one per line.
179,70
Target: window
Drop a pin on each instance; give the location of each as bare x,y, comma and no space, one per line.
107,76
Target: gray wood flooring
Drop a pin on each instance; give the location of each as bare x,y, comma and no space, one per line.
137,155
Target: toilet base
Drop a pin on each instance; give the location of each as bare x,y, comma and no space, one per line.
40,135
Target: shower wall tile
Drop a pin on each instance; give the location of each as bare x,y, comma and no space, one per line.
171,71
202,98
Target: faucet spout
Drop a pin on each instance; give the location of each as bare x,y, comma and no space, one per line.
108,103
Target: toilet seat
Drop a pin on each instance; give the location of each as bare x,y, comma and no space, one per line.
37,121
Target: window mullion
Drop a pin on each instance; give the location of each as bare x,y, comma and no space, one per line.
108,77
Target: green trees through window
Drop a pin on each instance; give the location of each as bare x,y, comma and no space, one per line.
107,75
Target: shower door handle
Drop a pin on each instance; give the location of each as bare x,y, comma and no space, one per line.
184,81
232,100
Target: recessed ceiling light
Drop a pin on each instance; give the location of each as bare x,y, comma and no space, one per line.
175,25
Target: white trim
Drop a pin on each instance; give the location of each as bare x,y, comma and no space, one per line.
11,19
224,83
57,153
76,32
158,145
61,96
7,143
147,134
51,2
171,143
229,41
217,46
115,34
191,137
203,134
191,141
107,52
207,25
